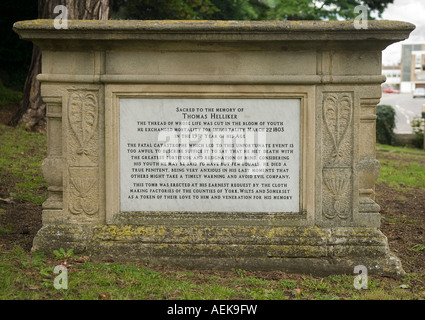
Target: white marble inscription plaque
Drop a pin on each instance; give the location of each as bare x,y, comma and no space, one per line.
210,155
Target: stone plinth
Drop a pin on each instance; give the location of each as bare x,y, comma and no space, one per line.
310,87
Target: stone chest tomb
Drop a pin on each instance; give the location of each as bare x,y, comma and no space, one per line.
214,144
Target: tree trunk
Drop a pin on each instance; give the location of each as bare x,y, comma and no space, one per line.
32,110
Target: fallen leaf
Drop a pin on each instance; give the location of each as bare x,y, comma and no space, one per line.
34,287
6,200
104,296
296,292
81,259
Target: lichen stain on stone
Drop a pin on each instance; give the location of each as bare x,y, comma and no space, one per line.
120,233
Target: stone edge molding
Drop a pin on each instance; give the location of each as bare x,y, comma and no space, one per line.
331,66
208,30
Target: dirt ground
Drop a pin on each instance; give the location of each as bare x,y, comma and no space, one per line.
403,219
403,222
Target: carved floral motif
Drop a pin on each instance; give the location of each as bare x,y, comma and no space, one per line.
337,155
337,181
83,114
337,114
83,122
84,189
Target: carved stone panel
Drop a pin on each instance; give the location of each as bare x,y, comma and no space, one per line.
83,191
337,155
83,152
83,114
336,197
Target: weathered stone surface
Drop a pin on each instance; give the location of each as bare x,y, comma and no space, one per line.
333,69
321,251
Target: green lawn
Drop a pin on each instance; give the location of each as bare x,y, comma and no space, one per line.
26,276
22,153
401,168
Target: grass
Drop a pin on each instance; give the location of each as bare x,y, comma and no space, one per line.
401,168
406,152
7,230
22,153
9,96
30,276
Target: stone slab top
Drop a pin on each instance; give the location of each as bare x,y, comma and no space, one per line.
209,30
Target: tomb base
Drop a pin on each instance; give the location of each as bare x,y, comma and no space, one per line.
306,250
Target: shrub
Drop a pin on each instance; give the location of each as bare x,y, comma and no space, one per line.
385,124
418,130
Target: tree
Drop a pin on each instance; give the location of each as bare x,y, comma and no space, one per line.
245,9
32,110
322,9
162,9
240,10
190,9
15,54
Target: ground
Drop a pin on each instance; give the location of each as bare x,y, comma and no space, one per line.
403,222
402,210
23,219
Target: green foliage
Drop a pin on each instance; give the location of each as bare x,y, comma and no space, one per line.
317,284
417,247
385,124
323,10
9,96
239,10
288,284
418,129
190,9
61,254
244,9
163,9
294,10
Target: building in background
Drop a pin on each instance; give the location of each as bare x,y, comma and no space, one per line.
418,68
393,74
409,71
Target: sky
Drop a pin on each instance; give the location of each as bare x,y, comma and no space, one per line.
412,11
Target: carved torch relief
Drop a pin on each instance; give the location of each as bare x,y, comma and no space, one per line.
337,155
83,151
